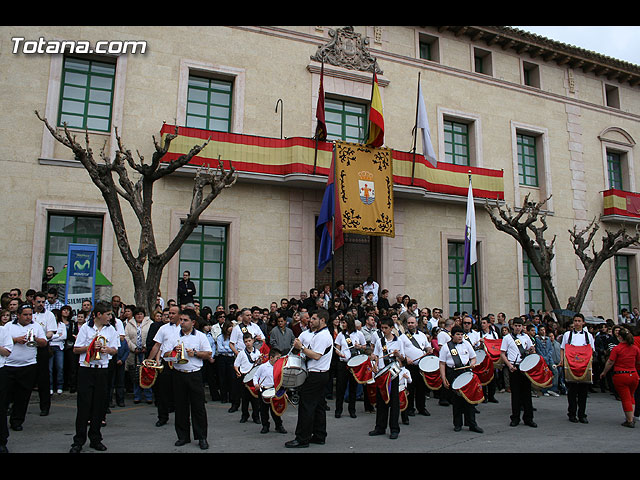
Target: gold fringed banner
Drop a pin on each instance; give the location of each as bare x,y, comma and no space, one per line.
364,179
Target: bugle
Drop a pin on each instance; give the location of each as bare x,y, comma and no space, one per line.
31,339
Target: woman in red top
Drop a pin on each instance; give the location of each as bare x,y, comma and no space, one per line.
625,361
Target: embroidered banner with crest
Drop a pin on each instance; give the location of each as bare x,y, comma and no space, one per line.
364,179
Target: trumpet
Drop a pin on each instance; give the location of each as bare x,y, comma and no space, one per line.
99,343
31,339
182,356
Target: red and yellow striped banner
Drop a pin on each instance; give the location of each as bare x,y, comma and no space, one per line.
619,202
274,156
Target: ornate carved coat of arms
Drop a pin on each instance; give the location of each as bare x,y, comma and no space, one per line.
347,49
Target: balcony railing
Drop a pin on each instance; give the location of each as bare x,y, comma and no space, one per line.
266,158
619,205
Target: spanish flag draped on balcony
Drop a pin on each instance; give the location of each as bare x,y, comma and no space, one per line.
376,120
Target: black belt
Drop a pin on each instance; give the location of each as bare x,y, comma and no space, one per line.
623,371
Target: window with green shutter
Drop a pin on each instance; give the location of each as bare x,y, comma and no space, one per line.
209,104
461,297
614,169
456,143
204,254
527,160
623,281
533,291
86,94
65,229
346,121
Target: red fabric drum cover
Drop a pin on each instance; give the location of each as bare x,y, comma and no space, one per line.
577,363
360,367
279,404
537,370
483,367
430,369
148,376
403,400
468,385
493,348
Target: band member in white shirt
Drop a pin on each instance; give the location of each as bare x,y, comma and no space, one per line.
348,344
246,360
387,348
97,342
188,387
49,325
514,348
416,345
577,392
312,414
6,345
263,379
466,357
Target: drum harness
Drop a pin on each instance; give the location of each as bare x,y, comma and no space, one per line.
523,352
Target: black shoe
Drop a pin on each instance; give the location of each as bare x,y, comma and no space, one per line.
44,413
514,423
316,440
443,403
457,428
476,429
573,419
243,419
493,400
75,449
337,414
121,404
98,446
160,423
295,444
531,423
424,413
583,420
411,413
265,429
232,409
405,421
17,428
374,433
393,435
204,445
280,429
353,415
180,443
257,421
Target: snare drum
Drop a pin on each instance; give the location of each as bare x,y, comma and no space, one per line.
248,377
360,367
468,386
268,394
483,367
393,369
294,371
430,368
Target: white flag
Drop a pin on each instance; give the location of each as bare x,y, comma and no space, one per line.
470,253
423,124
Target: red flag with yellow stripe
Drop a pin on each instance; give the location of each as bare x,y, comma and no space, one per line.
376,119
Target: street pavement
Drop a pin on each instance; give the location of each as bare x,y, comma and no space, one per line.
131,429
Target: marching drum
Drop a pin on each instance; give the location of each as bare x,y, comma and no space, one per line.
430,368
578,363
360,367
483,367
393,369
468,386
294,371
248,378
534,367
268,394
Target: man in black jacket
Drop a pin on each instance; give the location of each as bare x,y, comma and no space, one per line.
186,289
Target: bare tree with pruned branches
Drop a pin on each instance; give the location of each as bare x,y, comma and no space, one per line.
528,227
113,180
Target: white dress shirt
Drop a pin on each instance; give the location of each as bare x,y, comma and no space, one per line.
320,342
411,351
357,338
88,331
465,352
7,342
511,349
196,340
242,360
21,355
236,334
393,344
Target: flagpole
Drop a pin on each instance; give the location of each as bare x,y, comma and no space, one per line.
333,224
315,153
373,82
415,131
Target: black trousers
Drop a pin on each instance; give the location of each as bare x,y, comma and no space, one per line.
226,375
246,400
188,392
577,399
416,390
312,413
43,380
344,377
520,396
388,413
490,388
265,411
93,391
464,413
163,390
20,383
4,427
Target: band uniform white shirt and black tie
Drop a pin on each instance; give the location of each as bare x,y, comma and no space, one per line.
196,340
465,352
320,342
577,338
238,331
264,376
245,360
511,349
356,338
473,337
492,334
391,345
411,351
443,337
87,333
